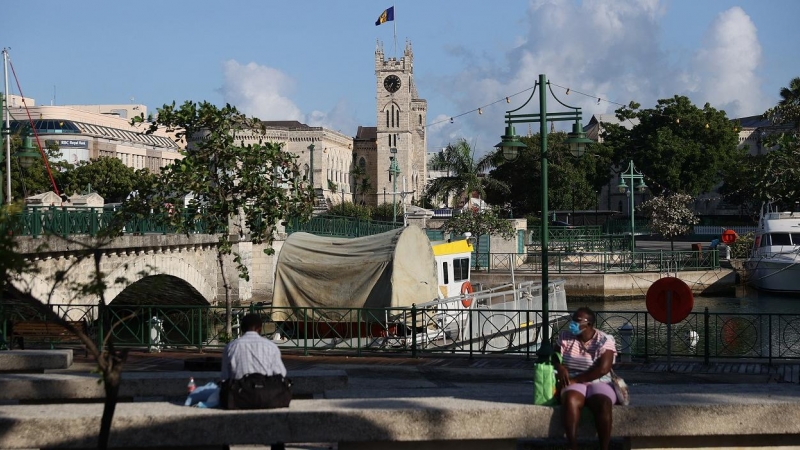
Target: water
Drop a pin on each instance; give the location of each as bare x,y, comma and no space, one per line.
750,301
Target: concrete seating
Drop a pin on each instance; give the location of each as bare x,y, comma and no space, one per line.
669,415
34,360
137,386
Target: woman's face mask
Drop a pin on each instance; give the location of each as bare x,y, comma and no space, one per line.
575,327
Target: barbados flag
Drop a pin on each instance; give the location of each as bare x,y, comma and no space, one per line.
386,16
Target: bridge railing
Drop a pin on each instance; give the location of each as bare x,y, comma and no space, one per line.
340,226
705,334
64,221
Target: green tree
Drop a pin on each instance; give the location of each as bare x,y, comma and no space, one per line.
670,215
241,188
572,181
109,177
465,174
788,108
479,223
678,146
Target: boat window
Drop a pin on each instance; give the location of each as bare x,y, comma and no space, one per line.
446,277
780,239
460,269
796,238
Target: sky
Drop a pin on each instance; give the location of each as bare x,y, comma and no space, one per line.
313,60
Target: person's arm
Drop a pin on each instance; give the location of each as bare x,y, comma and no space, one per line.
601,366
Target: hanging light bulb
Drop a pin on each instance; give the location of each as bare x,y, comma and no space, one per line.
707,126
598,100
567,91
508,100
451,120
480,111
678,120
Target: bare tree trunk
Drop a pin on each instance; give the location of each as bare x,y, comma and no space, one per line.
112,371
228,306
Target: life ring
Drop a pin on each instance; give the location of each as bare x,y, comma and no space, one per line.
729,237
682,299
466,288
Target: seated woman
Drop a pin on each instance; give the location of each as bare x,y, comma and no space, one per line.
588,355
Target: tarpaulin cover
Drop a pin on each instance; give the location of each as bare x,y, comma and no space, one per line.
392,269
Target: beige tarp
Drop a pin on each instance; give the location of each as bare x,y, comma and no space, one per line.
391,269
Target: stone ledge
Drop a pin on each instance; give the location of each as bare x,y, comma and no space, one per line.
388,420
164,385
34,360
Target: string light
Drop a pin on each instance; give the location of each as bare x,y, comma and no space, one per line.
451,120
598,100
480,111
508,100
567,91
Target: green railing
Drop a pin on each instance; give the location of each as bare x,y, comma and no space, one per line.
705,334
602,262
63,221
340,226
565,233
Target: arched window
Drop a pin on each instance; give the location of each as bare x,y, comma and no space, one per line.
362,163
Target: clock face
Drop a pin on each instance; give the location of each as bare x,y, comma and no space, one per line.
392,83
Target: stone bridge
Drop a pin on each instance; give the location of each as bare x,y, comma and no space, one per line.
156,269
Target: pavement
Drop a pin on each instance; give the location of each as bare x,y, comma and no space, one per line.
507,378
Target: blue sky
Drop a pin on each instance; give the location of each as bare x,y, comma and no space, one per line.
312,61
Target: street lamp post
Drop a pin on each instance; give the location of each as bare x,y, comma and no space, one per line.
27,155
633,175
394,171
510,146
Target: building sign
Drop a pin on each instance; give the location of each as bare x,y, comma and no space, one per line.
68,143
73,151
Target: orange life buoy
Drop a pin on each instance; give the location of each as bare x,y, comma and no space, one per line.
729,236
466,288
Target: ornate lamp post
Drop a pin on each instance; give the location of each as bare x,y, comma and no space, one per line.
510,146
394,171
633,175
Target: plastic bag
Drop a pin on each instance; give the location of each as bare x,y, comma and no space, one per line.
544,384
206,396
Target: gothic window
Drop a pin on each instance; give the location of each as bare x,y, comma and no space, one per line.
398,117
362,163
390,140
420,119
392,116
387,118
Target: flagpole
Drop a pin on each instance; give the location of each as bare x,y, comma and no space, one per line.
394,22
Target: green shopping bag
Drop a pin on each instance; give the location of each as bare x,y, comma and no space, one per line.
544,383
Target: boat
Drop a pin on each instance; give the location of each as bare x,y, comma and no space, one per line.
400,290
774,262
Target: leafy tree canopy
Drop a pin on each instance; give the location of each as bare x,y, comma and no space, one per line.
678,146
32,180
788,108
479,223
107,176
573,182
670,215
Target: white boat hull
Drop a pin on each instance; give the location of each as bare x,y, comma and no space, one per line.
774,275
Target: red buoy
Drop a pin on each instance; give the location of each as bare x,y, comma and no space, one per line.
729,237
681,304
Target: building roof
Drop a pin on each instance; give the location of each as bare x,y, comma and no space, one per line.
287,124
367,133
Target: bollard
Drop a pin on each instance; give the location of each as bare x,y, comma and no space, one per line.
626,335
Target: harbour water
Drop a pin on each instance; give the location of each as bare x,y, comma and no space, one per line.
749,301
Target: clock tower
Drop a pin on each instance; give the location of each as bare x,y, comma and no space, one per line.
400,127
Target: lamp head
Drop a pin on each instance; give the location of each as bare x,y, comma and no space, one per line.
510,144
622,186
577,140
29,153
640,186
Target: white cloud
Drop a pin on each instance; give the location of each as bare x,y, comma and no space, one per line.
725,67
259,91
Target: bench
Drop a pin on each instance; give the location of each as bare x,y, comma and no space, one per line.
143,386
35,360
665,416
46,331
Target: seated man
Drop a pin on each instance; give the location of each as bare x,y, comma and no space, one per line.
251,353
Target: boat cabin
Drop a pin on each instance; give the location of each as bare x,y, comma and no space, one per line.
453,264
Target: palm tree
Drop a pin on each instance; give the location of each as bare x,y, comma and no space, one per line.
788,108
464,176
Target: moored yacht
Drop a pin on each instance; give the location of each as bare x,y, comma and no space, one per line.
774,263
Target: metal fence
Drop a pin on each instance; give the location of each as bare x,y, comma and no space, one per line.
600,262
340,226
706,334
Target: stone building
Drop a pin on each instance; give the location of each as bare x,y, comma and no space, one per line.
83,132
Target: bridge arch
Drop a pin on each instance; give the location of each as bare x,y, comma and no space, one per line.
158,264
